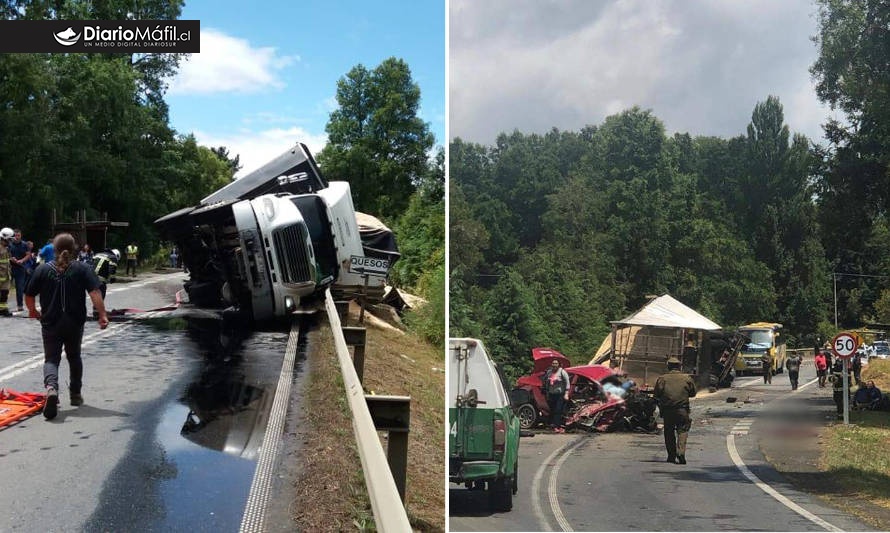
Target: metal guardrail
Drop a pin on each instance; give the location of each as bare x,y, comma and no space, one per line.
389,513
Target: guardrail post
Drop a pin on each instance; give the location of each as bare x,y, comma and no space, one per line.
393,415
342,310
355,337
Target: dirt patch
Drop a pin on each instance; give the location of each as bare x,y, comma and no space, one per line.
331,493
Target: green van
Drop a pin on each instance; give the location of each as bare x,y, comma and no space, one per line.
483,434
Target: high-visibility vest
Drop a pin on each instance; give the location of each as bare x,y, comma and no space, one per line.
132,251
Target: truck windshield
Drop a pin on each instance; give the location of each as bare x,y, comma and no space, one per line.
760,337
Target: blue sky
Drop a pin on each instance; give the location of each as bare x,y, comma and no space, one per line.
267,72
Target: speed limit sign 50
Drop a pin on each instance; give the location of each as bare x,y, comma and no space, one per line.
844,345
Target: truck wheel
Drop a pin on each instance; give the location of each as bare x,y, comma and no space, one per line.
528,416
500,494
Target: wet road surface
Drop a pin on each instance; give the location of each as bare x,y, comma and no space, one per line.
620,482
168,437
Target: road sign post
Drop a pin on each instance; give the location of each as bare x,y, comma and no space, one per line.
367,266
844,346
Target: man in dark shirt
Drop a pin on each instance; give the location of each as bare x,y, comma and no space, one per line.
19,255
62,285
792,364
672,392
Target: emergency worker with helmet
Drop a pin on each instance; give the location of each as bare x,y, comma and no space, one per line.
105,266
672,392
6,235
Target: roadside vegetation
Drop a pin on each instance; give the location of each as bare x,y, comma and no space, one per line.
855,456
554,235
331,490
92,132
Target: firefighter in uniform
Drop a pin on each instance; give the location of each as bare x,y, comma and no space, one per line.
6,235
105,265
837,384
672,392
132,256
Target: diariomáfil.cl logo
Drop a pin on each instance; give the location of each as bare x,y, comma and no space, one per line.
100,36
67,37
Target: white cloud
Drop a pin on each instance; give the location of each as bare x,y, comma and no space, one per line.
230,64
700,65
257,148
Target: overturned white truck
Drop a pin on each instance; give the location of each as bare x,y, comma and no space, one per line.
268,242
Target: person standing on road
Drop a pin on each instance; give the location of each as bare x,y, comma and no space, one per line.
132,256
672,392
856,366
104,264
18,249
821,368
47,253
85,255
62,285
767,361
5,271
793,365
556,386
837,382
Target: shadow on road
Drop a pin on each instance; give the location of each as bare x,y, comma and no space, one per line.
466,502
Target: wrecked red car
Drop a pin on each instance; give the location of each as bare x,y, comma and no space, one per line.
590,406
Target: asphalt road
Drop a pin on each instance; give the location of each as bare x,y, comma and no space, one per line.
620,481
168,437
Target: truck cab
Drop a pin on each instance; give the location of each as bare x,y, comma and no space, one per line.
271,240
483,435
762,337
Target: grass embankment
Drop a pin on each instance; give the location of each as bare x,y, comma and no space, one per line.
331,494
856,455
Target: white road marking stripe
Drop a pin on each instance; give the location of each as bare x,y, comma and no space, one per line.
734,455
737,459
261,488
553,489
536,489
35,361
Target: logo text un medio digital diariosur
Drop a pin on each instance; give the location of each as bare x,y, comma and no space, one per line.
105,36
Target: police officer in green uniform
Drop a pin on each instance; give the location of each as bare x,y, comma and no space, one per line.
672,392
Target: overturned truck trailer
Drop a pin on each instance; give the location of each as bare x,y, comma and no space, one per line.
268,242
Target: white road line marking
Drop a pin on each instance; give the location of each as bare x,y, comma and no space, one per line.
734,455
261,488
536,489
36,360
784,500
553,489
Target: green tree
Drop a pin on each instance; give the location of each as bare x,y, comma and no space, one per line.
852,74
376,141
